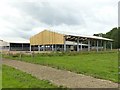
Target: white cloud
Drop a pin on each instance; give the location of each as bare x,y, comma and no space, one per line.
21,19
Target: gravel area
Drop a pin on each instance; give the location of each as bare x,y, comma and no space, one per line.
60,77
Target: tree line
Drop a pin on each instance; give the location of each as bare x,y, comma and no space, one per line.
112,34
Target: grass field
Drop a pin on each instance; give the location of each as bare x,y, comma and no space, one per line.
100,65
0,71
0,78
13,78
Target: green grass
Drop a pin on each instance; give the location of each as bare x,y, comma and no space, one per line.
0,71
13,78
0,77
100,65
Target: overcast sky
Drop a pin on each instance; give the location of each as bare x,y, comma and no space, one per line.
20,19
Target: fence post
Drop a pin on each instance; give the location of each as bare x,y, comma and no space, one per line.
20,56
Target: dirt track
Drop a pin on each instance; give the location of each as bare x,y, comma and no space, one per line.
60,77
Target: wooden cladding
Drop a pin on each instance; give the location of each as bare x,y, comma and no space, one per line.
47,38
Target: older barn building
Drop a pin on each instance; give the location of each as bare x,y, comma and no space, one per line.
9,45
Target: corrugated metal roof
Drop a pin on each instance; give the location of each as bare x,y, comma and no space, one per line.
84,36
91,37
74,43
16,40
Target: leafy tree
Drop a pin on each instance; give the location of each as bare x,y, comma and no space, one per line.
112,34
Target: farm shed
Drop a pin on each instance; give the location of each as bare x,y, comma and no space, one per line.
12,45
48,40
4,45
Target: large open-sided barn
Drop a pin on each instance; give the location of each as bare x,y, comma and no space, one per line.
55,41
